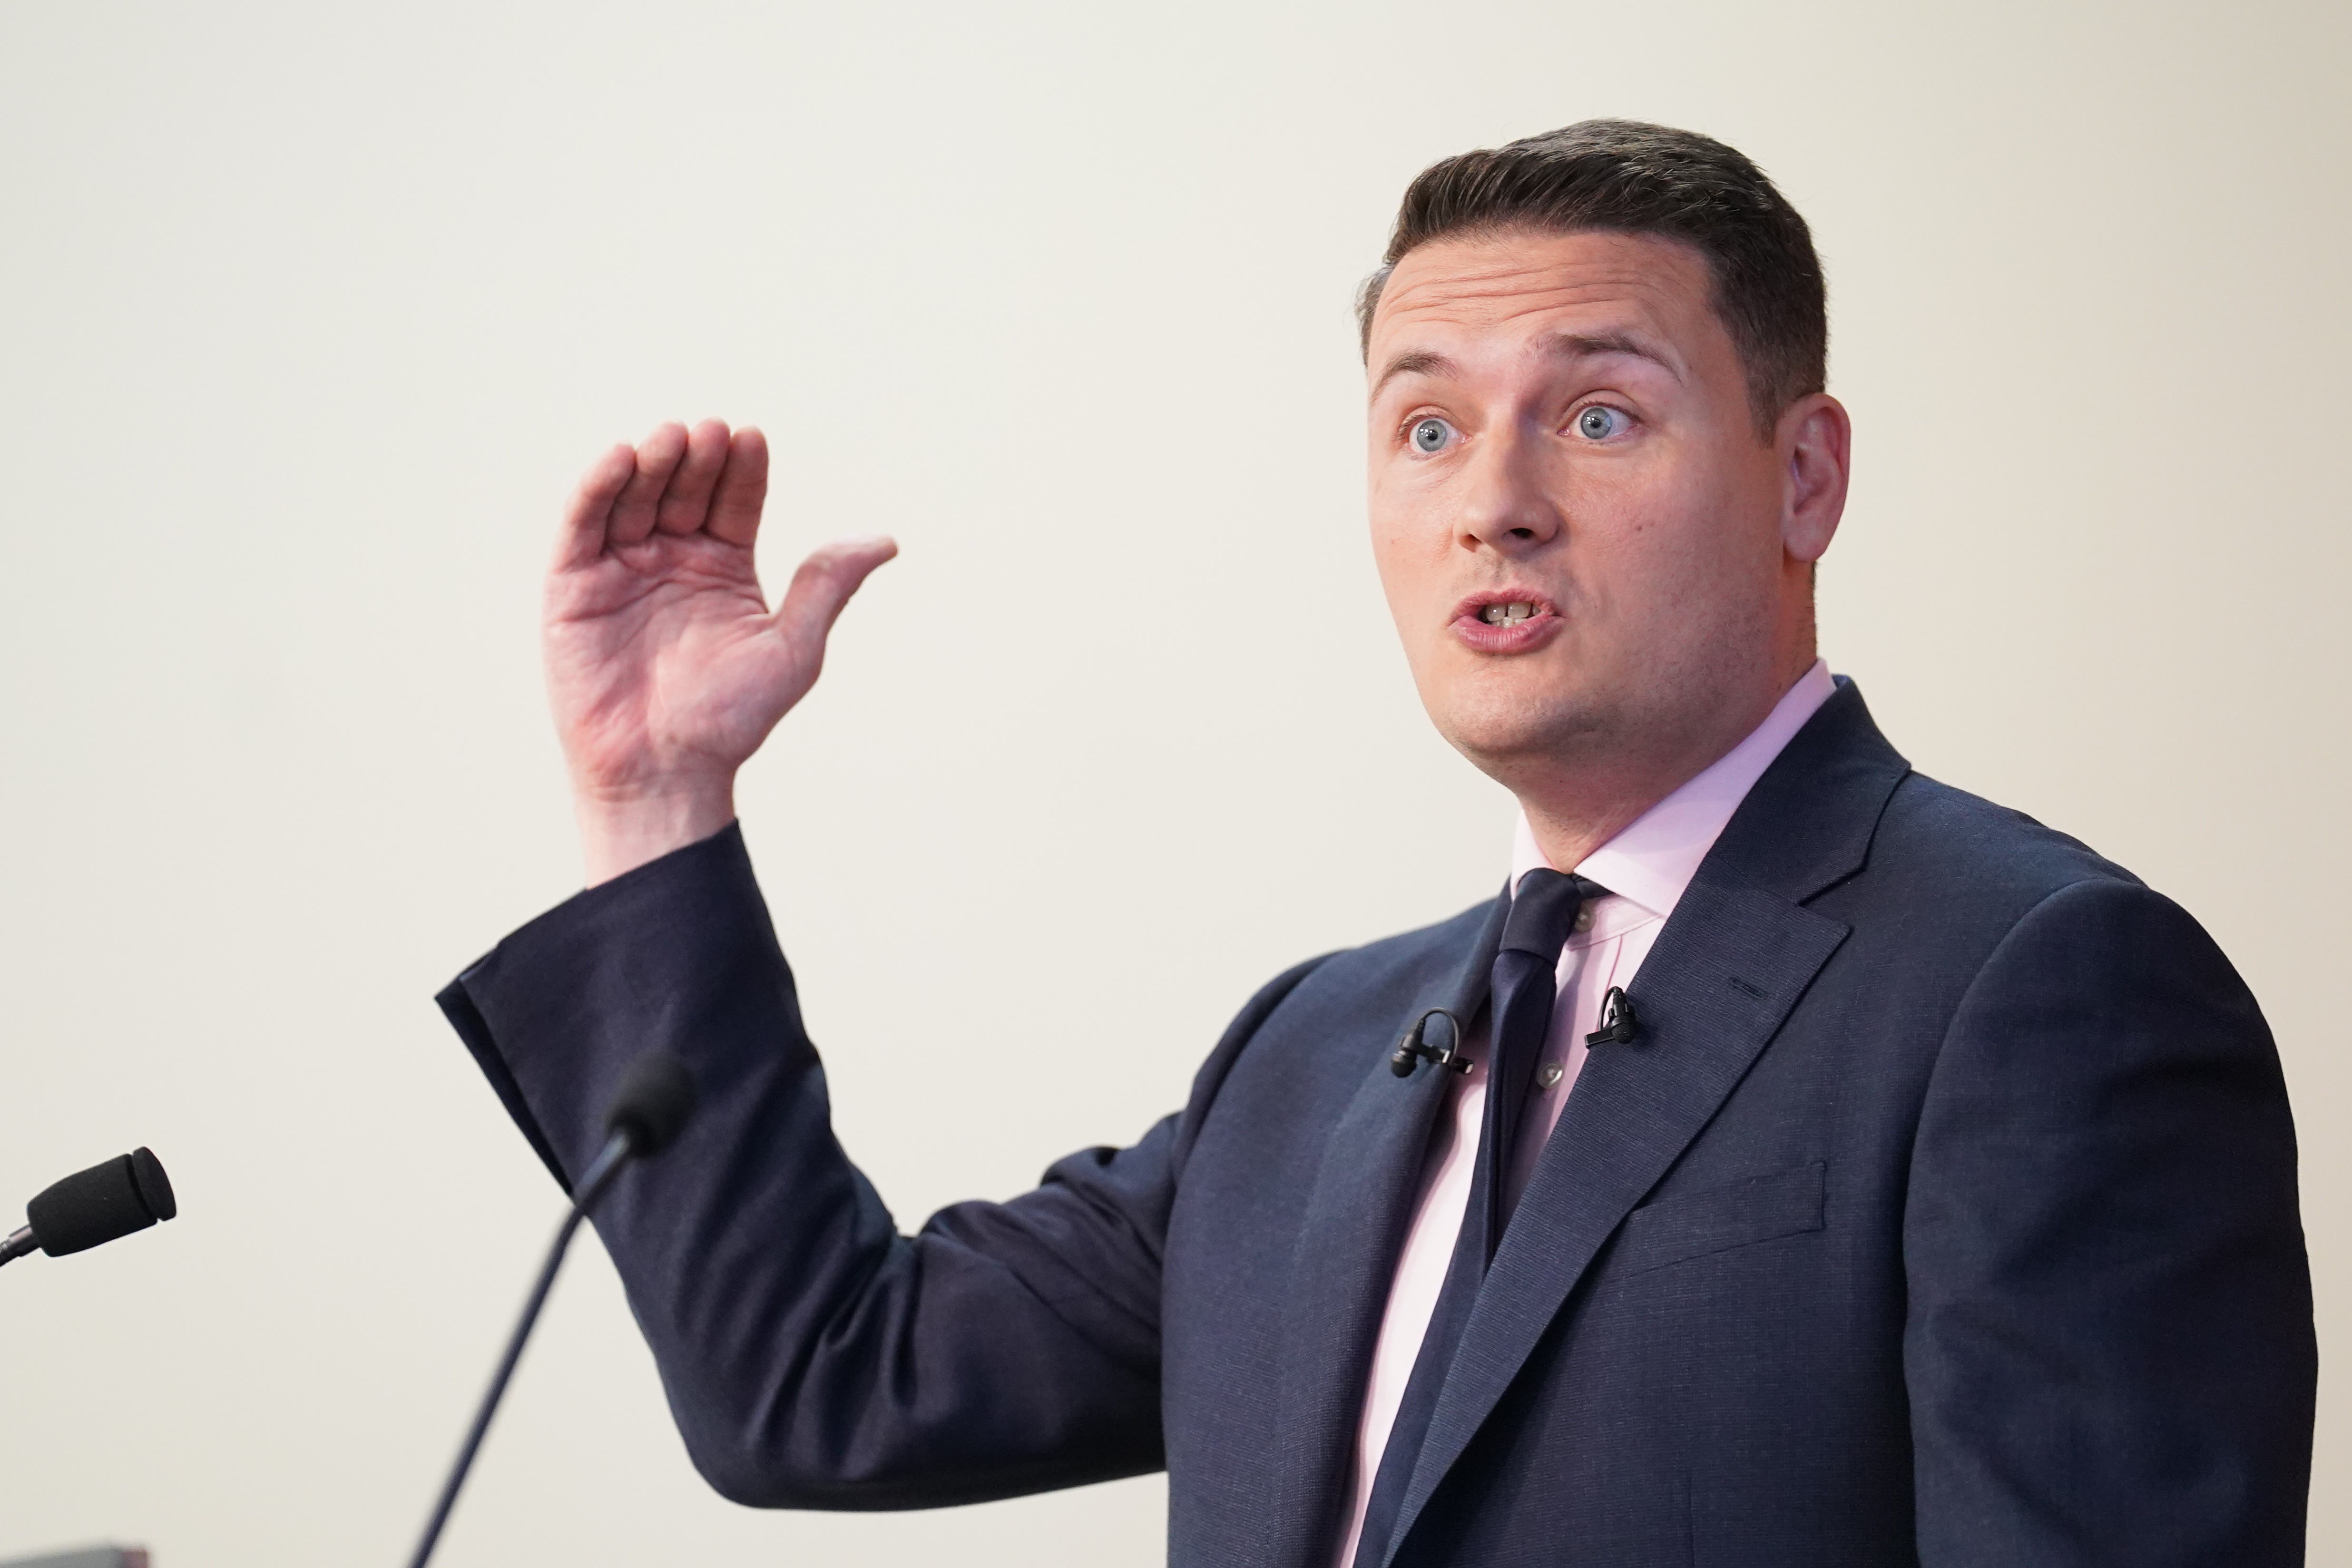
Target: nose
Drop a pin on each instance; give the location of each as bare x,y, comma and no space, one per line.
1505,504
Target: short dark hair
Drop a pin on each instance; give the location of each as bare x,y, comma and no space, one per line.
1622,176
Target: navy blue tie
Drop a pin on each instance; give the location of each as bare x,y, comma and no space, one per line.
1519,1003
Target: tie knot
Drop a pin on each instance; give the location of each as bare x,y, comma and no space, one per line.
1542,910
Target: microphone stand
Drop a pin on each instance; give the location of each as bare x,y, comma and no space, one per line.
616,1153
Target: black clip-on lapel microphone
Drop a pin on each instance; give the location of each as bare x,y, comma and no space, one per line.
1415,1049
1619,1026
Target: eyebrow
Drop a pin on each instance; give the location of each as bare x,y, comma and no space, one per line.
1559,345
1588,345
1419,362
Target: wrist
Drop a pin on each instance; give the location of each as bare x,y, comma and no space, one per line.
621,830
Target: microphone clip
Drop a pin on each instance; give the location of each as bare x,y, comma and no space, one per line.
1415,1049
1619,1025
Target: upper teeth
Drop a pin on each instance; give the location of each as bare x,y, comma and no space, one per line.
1496,615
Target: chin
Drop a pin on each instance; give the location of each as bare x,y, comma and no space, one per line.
1503,727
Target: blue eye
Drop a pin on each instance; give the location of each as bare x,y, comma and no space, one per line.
1431,434
1600,422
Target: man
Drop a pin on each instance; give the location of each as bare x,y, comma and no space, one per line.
1798,1163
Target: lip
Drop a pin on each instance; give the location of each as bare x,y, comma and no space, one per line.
1512,636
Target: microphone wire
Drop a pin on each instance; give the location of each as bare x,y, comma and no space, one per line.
617,1152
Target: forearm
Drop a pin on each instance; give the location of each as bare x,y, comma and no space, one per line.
814,1356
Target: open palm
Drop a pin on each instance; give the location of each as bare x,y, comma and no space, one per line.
666,668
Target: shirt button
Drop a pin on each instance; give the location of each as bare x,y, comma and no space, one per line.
1550,1075
1584,918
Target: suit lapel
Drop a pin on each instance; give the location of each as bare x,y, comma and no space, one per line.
1635,1109
1726,970
1353,1229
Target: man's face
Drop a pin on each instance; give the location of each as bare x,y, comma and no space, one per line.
1585,543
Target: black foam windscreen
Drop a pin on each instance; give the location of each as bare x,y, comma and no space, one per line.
127,1192
154,1186
656,1098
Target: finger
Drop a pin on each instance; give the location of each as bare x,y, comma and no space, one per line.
742,488
688,500
582,538
824,584
657,458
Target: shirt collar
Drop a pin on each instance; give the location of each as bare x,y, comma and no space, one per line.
1653,860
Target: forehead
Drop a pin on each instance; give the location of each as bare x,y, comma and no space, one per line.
1458,292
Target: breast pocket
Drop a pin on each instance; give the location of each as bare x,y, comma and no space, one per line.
1695,1225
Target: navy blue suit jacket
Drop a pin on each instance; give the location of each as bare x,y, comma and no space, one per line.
1943,1212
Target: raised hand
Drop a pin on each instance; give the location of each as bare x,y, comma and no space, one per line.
665,667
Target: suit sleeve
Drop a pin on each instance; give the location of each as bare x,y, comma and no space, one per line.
2109,1345
814,1357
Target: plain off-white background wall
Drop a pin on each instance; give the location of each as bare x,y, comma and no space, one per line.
310,314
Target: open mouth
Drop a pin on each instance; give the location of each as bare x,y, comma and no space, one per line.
1509,608
1507,620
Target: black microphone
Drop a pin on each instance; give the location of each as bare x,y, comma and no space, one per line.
1619,1025
92,1207
656,1098
1416,1049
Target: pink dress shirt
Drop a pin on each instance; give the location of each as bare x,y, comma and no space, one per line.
1646,869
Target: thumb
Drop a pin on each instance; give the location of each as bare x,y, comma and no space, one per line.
823,584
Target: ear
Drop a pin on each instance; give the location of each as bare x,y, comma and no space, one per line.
1814,443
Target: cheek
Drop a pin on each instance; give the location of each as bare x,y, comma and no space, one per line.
1631,525
1677,522
1407,545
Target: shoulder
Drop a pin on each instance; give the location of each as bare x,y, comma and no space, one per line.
2005,901
1969,854
1953,890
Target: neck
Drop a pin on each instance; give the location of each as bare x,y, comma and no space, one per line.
1576,816
1575,803
1567,838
